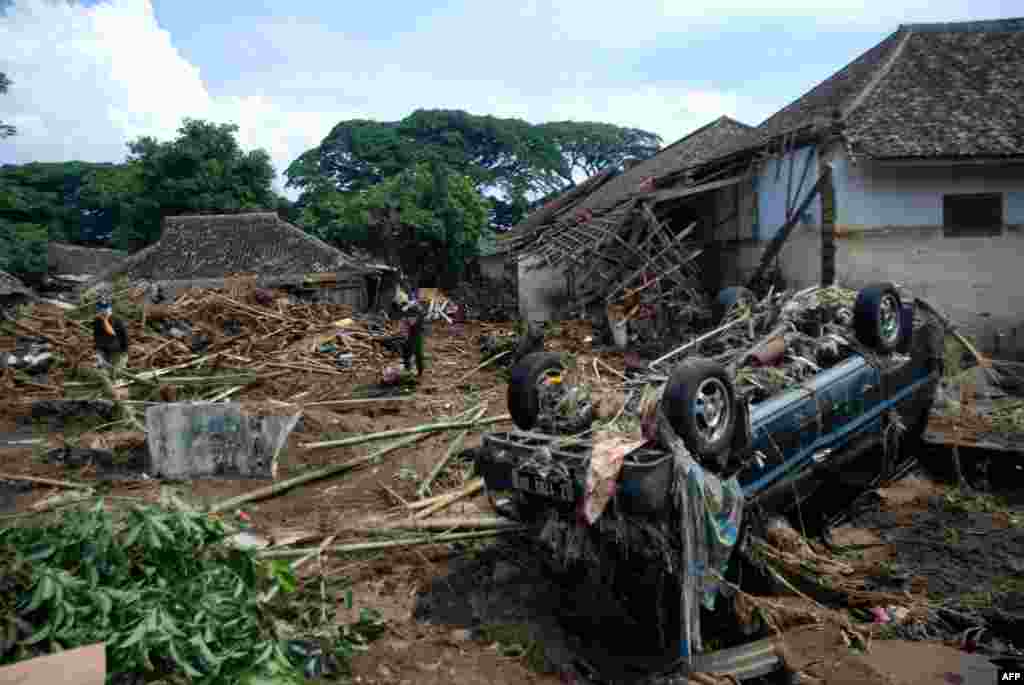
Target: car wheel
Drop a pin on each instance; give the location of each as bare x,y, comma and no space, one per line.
527,378
878,318
729,298
700,405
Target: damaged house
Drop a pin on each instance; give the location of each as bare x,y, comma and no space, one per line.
905,165
599,237
206,250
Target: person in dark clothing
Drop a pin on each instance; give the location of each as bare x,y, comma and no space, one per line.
110,337
413,322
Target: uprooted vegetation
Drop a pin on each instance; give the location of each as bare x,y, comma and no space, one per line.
168,592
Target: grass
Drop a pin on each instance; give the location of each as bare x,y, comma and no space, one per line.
517,640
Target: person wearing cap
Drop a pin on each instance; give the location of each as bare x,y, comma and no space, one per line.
110,337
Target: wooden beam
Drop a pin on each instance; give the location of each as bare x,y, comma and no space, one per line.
675,193
780,238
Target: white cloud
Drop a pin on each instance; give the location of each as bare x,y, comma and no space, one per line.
86,80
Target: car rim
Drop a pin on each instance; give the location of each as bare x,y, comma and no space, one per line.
889,319
713,412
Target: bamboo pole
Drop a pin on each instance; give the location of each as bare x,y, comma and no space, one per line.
471,488
328,472
456,445
425,428
442,524
388,544
46,481
487,362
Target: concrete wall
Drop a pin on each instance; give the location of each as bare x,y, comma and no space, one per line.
776,178
976,281
543,292
871,195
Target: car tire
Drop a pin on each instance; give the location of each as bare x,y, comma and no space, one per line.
700,404
728,298
878,318
523,399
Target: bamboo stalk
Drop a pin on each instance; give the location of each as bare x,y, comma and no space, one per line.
370,403
328,472
487,362
45,481
456,445
425,428
389,544
698,340
443,524
471,488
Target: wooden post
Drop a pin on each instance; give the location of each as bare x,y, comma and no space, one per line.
828,204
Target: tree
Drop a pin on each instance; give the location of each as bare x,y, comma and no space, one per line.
6,130
53,195
509,154
424,218
23,250
588,148
203,170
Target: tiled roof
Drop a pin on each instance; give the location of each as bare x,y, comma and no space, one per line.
699,146
926,90
215,246
952,92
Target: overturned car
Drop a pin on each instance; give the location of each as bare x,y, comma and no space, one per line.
661,517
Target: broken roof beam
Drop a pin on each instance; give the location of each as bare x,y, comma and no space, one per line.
775,247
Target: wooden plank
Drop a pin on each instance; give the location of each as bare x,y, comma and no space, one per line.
677,193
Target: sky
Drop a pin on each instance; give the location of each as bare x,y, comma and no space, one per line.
90,75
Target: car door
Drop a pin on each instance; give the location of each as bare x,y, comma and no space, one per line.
799,433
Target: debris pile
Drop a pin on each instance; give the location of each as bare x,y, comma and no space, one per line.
207,344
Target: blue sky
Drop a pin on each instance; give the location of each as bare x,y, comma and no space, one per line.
89,76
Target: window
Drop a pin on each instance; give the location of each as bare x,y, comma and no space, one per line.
979,214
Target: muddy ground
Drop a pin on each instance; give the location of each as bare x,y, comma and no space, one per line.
489,612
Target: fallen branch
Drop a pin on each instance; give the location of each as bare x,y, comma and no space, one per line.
479,523
453,449
698,340
45,481
425,428
487,362
284,486
367,403
471,488
388,544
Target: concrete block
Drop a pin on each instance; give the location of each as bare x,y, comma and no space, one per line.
203,439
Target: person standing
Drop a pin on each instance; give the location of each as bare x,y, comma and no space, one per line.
110,338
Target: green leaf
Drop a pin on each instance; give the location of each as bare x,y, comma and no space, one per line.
133,535
40,551
136,635
104,602
38,636
204,649
185,666
267,652
348,598
40,594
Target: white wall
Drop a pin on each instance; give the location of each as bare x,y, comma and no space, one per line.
870,195
773,180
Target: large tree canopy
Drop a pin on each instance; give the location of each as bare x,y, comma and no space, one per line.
424,218
587,147
509,157
202,170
